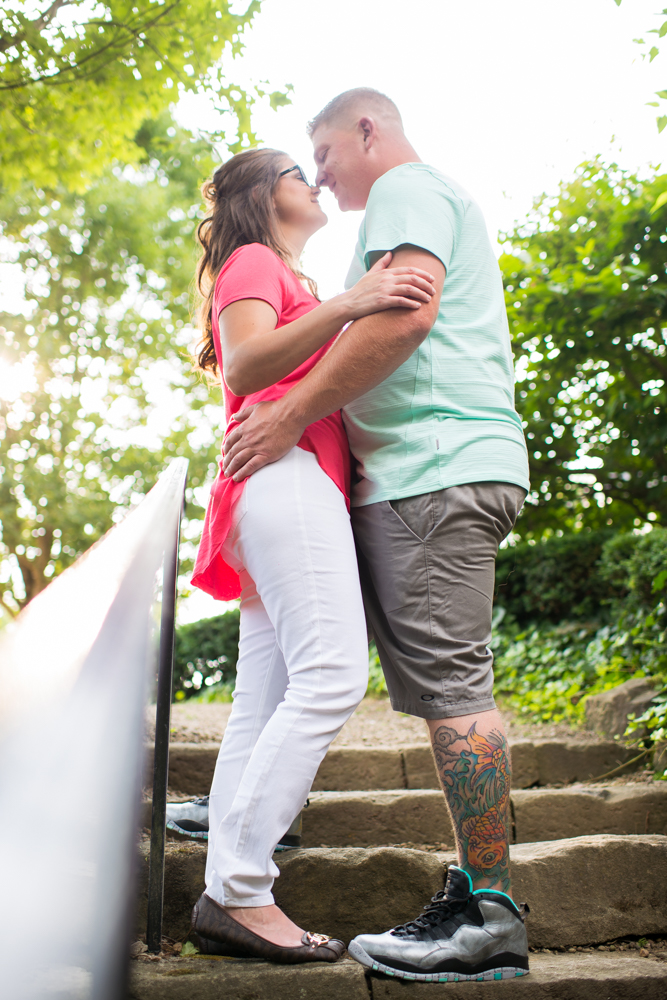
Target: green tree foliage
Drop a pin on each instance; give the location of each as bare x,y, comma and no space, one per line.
585,576
546,661
654,51
78,79
96,389
556,579
585,288
205,655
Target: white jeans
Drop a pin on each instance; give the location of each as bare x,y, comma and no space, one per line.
302,669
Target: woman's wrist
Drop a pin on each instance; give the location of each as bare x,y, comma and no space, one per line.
342,308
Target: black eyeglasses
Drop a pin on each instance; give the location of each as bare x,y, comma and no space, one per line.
296,167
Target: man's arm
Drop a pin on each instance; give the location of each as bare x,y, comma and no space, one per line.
366,354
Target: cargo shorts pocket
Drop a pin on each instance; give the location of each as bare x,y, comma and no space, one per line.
394,555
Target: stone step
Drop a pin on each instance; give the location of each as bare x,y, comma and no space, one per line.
581,891
534,763
597,976
368,819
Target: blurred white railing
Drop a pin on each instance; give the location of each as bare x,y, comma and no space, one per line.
74,673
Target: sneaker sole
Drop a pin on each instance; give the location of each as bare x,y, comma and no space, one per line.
357,952
186,834
181,834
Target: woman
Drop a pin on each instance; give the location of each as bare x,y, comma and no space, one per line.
281,540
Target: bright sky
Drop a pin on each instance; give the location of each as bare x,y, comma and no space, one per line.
506,97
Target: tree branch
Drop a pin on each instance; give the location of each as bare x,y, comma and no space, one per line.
47,16
38,24
114,44
8,608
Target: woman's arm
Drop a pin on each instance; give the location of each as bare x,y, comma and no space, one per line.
253,360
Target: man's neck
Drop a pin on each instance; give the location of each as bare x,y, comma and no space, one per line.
395,156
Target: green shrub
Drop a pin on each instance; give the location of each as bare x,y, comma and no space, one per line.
547,673
638,563
206,653
581,577
205,656
555,579
377,686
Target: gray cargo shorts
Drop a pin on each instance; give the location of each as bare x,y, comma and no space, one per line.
427,567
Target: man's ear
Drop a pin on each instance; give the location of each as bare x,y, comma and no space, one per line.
368,130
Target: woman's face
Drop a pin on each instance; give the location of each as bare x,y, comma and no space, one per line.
296,202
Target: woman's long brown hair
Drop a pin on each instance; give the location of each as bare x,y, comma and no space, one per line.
240,205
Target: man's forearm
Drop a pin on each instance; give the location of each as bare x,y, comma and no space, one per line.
362,357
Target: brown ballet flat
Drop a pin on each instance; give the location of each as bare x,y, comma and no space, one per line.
219,934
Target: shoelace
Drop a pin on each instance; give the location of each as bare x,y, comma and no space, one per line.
440,908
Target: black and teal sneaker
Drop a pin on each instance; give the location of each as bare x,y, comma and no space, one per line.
189,821
460,935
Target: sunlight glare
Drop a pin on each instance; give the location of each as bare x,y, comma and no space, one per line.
16,379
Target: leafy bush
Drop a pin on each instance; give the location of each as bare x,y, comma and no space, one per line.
654,720
555,579
377,686
206,653
582,576
636,564
205,656
547,673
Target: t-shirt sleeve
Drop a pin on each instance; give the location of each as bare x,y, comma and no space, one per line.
412,206
252,272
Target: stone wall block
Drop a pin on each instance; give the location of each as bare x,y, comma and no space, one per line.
185,866
353,768
553,814
581,891
607,713
587,890
350,891
419,766
207,979
368,819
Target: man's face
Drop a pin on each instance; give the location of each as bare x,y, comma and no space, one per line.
341,157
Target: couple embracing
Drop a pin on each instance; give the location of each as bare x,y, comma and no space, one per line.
372,464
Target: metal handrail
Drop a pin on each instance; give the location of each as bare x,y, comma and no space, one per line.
163,699
74,673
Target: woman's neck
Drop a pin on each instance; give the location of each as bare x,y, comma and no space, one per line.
294,242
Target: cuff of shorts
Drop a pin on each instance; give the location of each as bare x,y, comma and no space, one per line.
431,710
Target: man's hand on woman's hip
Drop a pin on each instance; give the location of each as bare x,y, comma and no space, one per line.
264,433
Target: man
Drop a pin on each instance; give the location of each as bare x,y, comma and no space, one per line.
428,402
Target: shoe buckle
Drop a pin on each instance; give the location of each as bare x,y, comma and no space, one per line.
315,940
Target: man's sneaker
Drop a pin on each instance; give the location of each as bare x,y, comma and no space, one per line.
461,935
291,840
189,820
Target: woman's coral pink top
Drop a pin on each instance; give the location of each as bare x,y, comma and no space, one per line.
256,272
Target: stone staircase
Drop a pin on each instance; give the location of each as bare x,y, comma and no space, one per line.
590,857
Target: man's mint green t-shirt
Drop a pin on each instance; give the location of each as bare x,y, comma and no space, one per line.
446,416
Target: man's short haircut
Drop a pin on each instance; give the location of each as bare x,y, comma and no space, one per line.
361,100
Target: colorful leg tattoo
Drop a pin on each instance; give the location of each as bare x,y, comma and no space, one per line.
475,775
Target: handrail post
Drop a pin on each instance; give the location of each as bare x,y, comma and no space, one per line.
161,750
